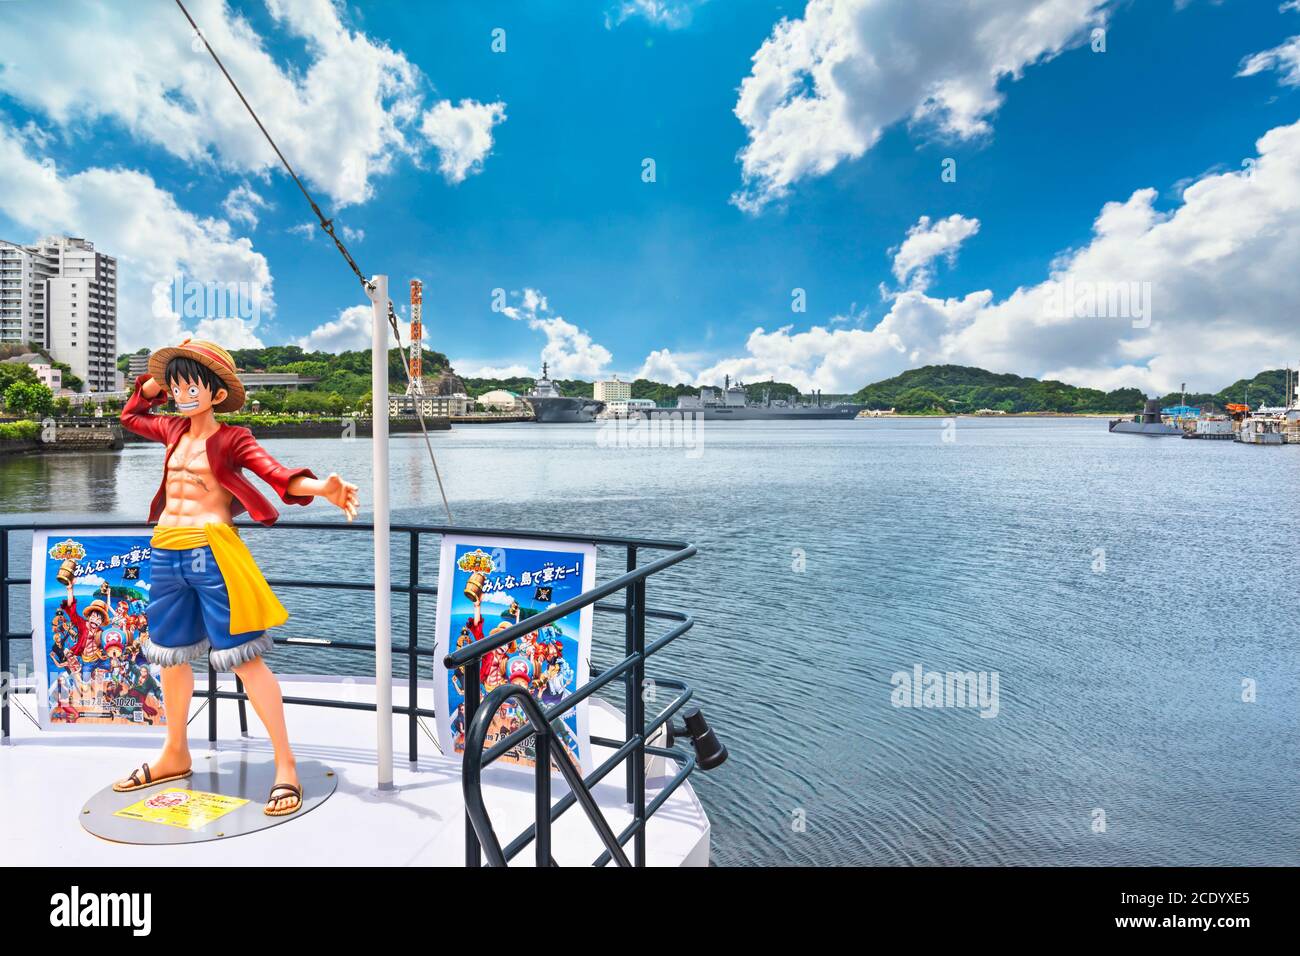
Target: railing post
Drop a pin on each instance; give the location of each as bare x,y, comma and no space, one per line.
638,721
543,795
473,854
413,658
629,640
243,710
212,703
4,636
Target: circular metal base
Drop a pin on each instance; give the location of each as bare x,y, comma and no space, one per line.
224,798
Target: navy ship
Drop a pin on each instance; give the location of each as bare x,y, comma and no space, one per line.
550,406
731,403
1149,423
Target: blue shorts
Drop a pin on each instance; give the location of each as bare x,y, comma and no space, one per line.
189,613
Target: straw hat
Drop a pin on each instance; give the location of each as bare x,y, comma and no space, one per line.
100,608
208,354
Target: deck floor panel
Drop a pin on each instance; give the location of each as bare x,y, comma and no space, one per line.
46,777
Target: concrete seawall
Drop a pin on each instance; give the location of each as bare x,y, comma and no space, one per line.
15,446
76,435
108,434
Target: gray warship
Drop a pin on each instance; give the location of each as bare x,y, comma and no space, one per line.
731,403
1149,423
550,406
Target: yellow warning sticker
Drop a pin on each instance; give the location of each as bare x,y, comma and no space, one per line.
185,809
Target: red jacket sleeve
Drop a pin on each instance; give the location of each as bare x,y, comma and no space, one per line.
253,457
74,616
137,414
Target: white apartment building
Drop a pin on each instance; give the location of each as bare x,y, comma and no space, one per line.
23,273
612,391
81,310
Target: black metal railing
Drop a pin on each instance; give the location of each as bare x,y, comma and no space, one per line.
631,751
479,835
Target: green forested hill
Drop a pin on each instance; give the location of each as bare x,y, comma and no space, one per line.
1266,388
959,388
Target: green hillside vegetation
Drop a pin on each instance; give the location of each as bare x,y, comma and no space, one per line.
344,384
1266,388
957,389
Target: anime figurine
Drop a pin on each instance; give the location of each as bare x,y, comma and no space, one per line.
207,596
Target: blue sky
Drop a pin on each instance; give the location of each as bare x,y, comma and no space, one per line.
530,177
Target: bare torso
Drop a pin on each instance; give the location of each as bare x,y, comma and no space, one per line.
194,498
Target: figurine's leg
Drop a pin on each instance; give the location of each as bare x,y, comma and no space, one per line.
174,612
264,694
178,689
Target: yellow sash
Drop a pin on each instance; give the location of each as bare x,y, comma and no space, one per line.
253,605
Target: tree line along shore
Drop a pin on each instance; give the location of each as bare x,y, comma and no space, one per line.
338,384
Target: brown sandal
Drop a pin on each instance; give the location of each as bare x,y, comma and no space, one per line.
272,798
142,778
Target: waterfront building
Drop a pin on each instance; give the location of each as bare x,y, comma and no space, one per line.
292,381
612,391
627,407
432,406
61,295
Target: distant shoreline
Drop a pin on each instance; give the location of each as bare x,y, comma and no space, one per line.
1105,415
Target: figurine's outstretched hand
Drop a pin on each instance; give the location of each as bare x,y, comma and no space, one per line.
340,493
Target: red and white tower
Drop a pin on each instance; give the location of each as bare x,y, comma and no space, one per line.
415,379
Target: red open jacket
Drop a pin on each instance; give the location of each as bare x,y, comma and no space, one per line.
230,450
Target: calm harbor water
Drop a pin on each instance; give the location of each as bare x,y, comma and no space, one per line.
1120,589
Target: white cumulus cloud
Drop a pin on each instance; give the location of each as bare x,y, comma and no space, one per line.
242,205
343,111
469,368
130,217
927,241
569,350
824,86
662,366
350,331
462,135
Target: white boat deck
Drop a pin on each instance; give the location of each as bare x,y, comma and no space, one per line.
46,777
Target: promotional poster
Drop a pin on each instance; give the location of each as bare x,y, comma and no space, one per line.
90,591
487,585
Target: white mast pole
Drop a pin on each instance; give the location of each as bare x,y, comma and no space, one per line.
378,293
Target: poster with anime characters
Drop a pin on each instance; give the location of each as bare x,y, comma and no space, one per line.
487,585
90,591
